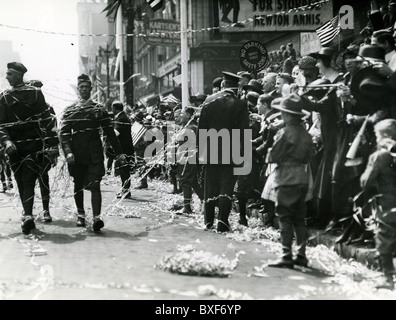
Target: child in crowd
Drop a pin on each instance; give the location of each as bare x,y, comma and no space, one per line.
379,179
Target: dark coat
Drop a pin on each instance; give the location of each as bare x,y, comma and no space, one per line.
80,133
123,125
223,110
25,119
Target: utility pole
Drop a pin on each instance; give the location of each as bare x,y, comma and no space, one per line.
184,52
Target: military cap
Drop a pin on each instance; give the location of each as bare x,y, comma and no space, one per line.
17,67
84,78
232,77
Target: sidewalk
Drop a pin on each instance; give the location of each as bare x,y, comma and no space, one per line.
363,255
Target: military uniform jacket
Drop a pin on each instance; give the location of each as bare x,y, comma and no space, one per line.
25,120
80,134
292,151
223,110
123,125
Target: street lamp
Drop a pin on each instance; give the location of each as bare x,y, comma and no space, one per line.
107,54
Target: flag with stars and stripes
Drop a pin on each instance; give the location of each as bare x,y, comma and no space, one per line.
329,30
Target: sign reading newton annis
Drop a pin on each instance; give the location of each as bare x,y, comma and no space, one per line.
163,32
253,56
265,17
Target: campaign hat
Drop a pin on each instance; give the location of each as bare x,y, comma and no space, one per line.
16,67
292,104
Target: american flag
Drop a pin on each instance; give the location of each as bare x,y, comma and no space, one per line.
329,30
155,4
138,132
99,83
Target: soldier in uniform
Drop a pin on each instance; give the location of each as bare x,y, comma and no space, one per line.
47,162
221,111
122,127
80,136
186,157
25,124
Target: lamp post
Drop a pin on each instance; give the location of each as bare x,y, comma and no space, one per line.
107,54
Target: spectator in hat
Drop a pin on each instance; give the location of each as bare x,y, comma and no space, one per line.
308,69
83,149
385,40
252,98
222,112
29,141
367,96
292,151
123,131
324,63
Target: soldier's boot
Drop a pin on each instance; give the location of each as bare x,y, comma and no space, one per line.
242,212
386,262
301,239
187,194
28,224
209,213
224,212
286,261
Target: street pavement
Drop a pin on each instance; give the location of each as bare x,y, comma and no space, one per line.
126,260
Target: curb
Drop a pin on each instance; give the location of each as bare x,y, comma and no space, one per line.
365,256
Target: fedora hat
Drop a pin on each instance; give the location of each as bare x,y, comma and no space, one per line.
368,83
371,53
254,85
292,104
324,52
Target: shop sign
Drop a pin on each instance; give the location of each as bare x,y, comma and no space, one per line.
253,56
163,32
274,15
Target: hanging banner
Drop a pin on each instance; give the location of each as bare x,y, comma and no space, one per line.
273,15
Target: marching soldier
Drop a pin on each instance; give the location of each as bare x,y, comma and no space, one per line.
25,125
81,141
